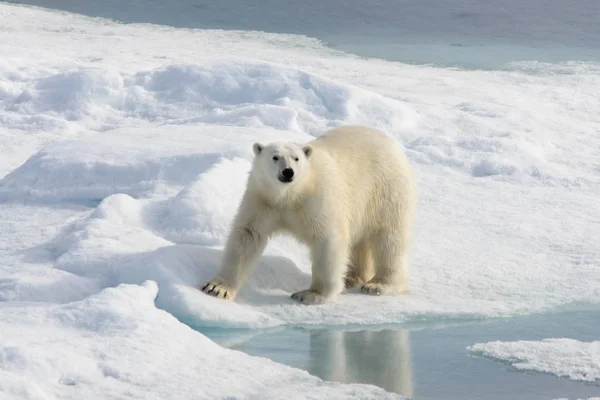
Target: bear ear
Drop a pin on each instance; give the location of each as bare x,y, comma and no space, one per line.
257,147
307,151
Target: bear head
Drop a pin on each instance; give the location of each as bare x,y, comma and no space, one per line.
280,165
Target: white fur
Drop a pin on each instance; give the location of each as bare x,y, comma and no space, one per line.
352,201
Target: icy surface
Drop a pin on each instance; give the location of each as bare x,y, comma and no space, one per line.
117,344
124,151
562,357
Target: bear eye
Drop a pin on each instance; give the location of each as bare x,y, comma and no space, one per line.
275,158
296,158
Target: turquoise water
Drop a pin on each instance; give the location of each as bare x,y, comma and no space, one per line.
426,362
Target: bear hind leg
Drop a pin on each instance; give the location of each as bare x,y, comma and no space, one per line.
391,265
360,270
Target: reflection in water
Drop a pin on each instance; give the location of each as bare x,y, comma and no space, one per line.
432,362
379,358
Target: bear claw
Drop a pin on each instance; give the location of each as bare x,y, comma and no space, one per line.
308,297
217,289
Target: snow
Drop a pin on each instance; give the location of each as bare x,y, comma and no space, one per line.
233,93
117,344
562,357
124,151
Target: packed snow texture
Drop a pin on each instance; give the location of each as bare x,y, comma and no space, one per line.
569,358
117,344
124,151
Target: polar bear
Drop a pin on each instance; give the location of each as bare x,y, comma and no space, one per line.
349,195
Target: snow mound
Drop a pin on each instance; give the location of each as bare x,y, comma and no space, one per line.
263,94
563,357
100,345
232,92
201,212
74,94
69,170
498,156
114,245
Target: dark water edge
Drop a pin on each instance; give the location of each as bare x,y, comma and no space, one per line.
426,362
471,34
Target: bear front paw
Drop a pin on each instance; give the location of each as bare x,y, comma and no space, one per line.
373,288
218,289
309,297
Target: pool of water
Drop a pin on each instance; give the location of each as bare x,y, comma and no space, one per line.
425,362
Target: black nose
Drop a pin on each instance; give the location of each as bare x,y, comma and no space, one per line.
288,173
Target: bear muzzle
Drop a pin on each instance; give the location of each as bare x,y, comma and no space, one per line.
287,175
